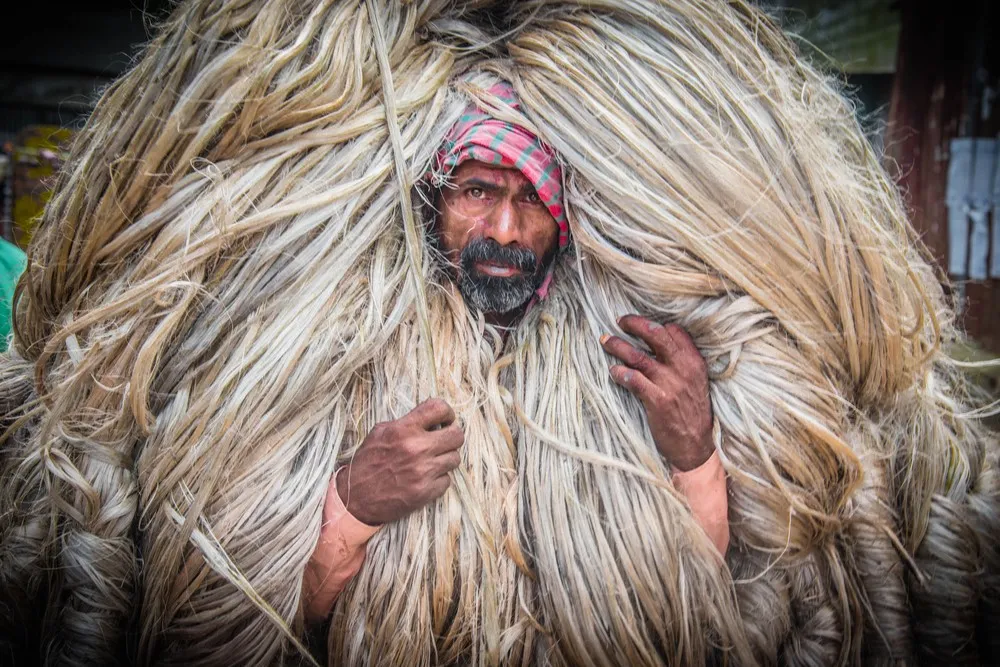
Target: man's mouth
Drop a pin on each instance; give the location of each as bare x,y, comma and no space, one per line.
495,278
497,270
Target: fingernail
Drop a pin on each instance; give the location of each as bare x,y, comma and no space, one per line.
604,339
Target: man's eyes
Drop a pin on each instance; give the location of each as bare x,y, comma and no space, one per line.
479,193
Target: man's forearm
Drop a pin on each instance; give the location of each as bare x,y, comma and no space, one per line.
338,557
705,490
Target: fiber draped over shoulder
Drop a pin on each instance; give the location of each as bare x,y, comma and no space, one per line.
220,304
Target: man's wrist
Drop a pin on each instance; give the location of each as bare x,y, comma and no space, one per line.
693,457
342,480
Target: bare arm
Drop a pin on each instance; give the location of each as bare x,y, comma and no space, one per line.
338,556
705,490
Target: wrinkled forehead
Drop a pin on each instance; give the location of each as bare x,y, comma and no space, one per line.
501,175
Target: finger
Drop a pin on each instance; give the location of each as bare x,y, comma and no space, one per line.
653,334
636,383
448,439
432,413
437,488
629,354
448,462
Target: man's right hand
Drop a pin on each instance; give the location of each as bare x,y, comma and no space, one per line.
402,465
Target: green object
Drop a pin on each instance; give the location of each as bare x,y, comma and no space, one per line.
12,263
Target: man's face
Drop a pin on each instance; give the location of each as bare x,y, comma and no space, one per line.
498,234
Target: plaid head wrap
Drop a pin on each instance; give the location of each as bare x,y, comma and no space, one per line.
479,136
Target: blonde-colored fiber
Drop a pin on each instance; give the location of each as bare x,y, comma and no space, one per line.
225,295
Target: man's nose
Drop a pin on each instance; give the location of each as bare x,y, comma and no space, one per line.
504,223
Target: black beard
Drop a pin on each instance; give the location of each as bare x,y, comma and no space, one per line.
492,294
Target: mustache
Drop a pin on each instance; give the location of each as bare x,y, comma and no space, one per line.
488,250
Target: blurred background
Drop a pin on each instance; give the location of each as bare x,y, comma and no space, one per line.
925,76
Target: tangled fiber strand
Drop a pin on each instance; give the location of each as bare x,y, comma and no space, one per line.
222,301
946,484
880,561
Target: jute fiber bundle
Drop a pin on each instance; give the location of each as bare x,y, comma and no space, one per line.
235,283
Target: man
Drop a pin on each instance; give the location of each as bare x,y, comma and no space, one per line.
501,225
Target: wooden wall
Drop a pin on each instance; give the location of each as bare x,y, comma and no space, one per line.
947,74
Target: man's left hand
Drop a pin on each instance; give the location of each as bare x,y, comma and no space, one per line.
672,385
